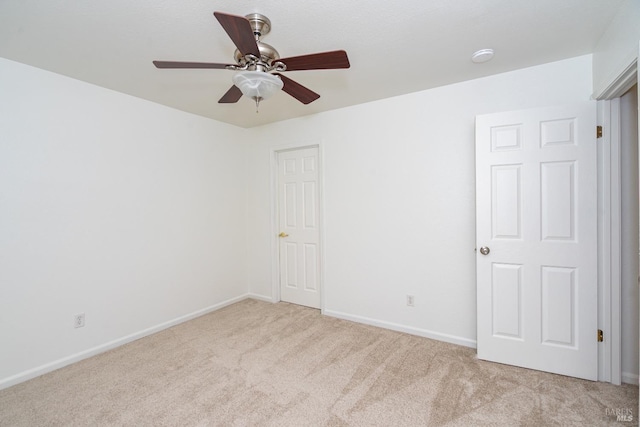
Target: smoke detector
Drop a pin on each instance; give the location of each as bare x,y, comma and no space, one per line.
483,55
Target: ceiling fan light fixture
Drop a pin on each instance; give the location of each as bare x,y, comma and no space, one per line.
257,85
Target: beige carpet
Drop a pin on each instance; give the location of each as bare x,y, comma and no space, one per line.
255,363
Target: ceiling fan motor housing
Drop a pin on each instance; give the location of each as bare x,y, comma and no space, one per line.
268,54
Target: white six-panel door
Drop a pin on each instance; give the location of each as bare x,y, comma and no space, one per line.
536,213
298,215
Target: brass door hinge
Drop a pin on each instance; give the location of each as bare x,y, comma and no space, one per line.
600,335
598,131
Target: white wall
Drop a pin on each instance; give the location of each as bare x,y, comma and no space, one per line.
399,189
615,70
128,211
136,215
617,49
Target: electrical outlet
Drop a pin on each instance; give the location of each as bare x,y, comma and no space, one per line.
78,320
410,300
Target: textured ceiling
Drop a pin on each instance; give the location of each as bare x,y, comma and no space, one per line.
394,47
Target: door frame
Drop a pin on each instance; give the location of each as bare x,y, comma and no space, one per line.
274,214
609,246
609,223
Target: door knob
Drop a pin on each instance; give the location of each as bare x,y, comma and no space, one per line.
485,250
283,234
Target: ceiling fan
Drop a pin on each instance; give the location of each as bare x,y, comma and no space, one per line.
260,65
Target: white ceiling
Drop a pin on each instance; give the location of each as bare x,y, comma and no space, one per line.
395,47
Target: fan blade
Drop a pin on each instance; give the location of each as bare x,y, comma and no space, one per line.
317,61
177,64
233,95
299,92
239,30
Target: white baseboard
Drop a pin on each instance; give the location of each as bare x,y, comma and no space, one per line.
60,363
629,378
403,328
261,297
